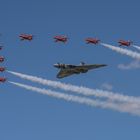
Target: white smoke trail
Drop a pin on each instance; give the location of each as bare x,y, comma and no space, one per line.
130,53
137,47
79,89
82,100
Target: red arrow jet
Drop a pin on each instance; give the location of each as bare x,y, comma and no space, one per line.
61,39
1,47
2,80
26,37
125,43
1,58
92,41
2,69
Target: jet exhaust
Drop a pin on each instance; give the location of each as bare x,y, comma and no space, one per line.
80,89
128,108
137,47
130,53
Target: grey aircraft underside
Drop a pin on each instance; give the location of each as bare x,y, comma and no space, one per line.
67,69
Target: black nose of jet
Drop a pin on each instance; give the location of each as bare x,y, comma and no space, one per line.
104,65
56,65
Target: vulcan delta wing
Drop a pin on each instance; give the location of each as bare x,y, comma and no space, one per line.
65,72
67,69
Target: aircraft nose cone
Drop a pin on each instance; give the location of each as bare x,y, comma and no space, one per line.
55,65
104,65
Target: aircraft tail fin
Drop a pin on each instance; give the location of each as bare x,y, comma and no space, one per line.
82,63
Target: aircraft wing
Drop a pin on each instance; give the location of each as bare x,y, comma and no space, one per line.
64,73
77,70
94,66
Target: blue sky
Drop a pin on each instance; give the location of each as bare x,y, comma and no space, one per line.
28,115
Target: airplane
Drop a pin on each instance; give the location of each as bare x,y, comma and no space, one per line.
125,43
1,58
2,69
61,39
2,80
92,41
1,47
26,37
68,69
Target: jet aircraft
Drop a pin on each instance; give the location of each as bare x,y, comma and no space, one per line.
1,58
2,80
61,39
92,41
1,47
26,37
2,69
125,43
68,69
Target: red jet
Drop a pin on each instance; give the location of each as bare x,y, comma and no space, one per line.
26,37
1,58
92,41
2,80
61,39
125,43
1,47
2,69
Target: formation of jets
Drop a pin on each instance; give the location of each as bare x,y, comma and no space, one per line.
64,39
67,69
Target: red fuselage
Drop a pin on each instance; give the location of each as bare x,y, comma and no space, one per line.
61,39
2,80
92,41
124,43
2,69
1,58
26,37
